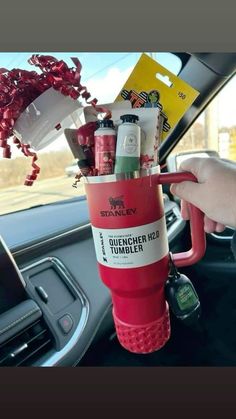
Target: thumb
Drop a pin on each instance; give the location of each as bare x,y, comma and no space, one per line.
189,191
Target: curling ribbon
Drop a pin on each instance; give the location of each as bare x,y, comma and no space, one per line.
18,88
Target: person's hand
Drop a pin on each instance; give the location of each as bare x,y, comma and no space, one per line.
214,194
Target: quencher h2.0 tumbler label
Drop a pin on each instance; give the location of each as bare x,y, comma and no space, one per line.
131,247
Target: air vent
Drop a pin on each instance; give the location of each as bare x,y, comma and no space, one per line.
170,218
27,347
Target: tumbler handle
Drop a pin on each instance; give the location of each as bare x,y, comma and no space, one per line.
196,222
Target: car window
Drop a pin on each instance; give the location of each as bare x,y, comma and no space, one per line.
99,70
215,128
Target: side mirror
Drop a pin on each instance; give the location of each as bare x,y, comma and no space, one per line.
173,161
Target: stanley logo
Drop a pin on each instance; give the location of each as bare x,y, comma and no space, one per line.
117,208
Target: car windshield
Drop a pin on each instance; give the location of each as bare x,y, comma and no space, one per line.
103,74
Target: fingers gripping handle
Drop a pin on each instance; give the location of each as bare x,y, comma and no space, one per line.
196,223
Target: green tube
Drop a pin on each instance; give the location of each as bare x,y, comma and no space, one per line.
128,145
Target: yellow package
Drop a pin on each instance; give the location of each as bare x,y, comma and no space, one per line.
144,89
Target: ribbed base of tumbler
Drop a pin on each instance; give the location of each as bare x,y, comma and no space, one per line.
144,339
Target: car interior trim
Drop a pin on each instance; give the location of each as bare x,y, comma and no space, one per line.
50,240
60,267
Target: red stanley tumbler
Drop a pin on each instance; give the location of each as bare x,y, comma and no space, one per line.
130,238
